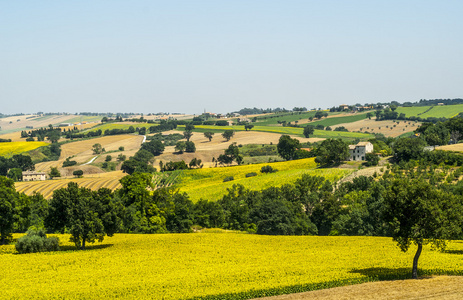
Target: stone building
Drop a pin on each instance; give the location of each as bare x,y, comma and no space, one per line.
358,152
34,176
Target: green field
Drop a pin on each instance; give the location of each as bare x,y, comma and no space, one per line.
207,184
340,120
445,111
288,117
211,266
110,126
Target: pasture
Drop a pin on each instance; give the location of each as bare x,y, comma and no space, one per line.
11,148
296,131
437,111
208,183
222,265
335,120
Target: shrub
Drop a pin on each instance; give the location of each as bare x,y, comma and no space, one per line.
68,162
108,158
78,173
121,148
36,241
268,169
251,174
229,178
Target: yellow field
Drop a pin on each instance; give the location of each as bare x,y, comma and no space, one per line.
108,180
211,266
208,183
11,148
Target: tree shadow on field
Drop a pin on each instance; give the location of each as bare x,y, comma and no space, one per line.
458,252
87,247
385,273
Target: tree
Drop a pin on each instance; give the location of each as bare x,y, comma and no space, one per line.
372,159
8,197
228,134
187,135
78,173
408,148
308,130
15,173
88,216
332,151
318,115
248,127
53,136
96,148
121,157
209,135
369,115
287,147
54,172
419,213
156,147
108,158
190,147
180,147
437,135
232,153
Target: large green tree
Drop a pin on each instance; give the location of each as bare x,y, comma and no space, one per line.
419,213
88,216
408,148
332,152
287,147
228,134
308,130
8,197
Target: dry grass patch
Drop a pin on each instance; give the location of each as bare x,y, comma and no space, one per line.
385,127
439,287
456,147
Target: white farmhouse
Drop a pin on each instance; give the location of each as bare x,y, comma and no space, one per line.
357,152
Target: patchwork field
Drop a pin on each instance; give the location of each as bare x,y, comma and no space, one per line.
208,183
282,130
11,148
82,150
212,266
108,180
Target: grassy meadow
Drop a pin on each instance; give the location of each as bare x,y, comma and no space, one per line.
211,266
208,183
340,120
11,148
445,111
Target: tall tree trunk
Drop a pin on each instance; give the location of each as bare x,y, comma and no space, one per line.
415,261
83,244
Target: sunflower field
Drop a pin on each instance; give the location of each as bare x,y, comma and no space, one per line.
218,265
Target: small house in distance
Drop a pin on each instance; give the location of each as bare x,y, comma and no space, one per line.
357,152
34,176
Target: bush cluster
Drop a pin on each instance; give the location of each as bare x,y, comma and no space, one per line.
36,241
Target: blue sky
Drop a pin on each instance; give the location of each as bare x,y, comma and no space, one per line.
187,56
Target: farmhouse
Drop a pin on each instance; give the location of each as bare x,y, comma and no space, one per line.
34,176
357,152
